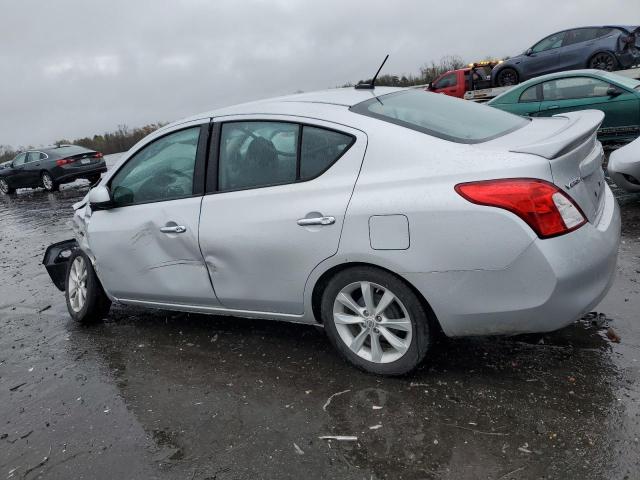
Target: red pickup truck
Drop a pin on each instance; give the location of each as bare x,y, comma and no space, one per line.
455,82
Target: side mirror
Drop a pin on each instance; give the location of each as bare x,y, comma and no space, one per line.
614,91
100,198
528,52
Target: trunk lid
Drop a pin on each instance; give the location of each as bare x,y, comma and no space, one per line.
569,142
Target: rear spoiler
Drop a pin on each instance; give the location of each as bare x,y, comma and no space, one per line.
579,127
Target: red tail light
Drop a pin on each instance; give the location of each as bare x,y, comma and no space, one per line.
98,155
543,206
64,161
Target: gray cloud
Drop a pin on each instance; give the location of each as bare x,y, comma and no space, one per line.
74,68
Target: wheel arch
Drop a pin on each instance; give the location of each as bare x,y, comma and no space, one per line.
323,280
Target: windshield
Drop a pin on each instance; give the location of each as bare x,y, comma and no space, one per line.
441,116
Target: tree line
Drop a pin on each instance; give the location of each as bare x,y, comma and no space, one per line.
119,140
428,73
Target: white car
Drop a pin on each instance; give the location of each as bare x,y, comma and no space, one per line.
385,215
624,166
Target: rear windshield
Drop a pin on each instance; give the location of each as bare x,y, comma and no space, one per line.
622,80
441,116
68,150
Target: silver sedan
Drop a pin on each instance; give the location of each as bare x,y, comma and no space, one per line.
384,215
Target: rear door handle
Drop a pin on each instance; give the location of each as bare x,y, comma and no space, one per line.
304,222
552,107
174,229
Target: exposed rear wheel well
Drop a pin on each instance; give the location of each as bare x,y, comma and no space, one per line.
318,290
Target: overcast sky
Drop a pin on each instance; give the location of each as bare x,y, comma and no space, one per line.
75,68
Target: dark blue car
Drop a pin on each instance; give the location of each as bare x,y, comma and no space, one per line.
611,47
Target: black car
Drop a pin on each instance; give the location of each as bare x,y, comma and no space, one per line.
610,47
50,167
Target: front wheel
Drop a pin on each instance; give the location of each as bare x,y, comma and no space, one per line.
603,61
86,300
5,189
48,183
376,321
507,77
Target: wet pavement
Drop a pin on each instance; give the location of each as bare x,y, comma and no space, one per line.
150,394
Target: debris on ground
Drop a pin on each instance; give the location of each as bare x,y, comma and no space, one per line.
299,451
376,407
613,336
332,397
340,438
525,448
375,427
42,462
13,389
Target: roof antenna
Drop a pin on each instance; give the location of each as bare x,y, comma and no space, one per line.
372,85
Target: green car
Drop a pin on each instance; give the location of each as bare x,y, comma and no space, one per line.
617,96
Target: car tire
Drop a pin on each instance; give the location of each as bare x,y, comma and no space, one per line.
5,189
86,301
48,182
391,341
603,61
507,77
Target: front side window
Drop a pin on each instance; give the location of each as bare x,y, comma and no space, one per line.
264,153
530,95
20,160
573,88
552,41
441,116
449,80
160,171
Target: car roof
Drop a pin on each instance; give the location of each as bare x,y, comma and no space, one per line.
303,104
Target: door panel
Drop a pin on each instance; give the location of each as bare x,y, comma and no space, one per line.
20,174
258,255
137,261
146,247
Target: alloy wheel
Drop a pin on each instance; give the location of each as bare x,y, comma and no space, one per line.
47,182
602,61
373,322
508,77
78,284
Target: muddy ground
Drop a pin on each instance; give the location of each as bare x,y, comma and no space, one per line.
150,394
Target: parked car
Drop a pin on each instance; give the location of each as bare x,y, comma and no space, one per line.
50,167
624,166
383,215
456,82
609,47
616,96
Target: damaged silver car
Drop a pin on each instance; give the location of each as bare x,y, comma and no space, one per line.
384,215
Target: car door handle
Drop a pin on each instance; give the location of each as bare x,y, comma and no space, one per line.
174,229
552,107
304,222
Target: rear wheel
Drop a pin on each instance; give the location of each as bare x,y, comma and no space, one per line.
603,61
375,321
5,189
48,183
507,77
86,300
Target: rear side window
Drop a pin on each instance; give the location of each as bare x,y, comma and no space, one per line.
320,149
441,116
260,154
33,156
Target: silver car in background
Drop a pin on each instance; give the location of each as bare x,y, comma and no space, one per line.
385,215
